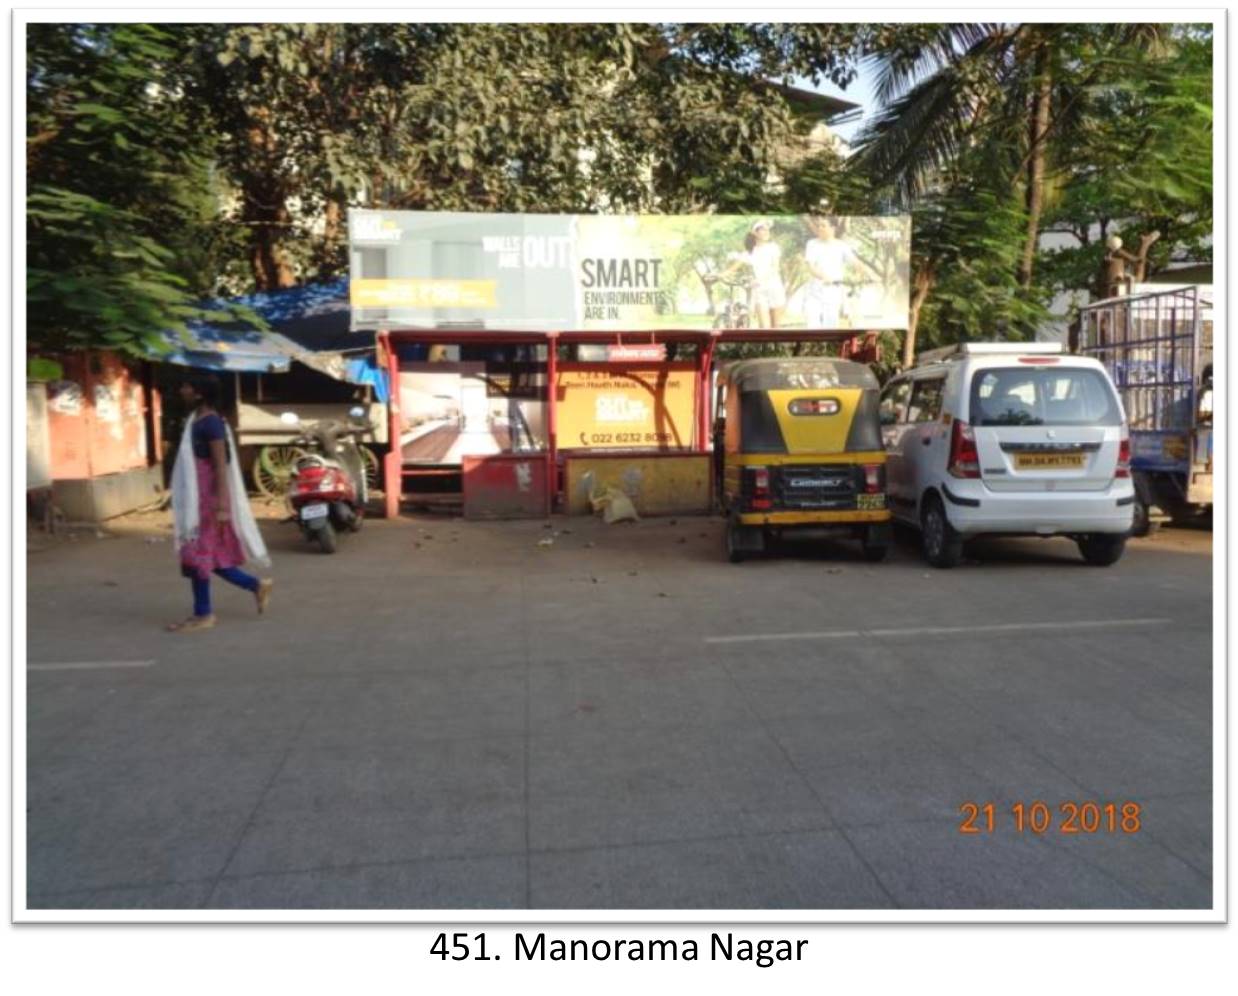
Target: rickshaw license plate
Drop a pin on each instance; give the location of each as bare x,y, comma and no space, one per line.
1048,461
314,512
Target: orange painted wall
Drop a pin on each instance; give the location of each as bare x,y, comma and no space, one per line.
97,418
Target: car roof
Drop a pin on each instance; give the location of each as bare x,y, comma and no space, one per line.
985,361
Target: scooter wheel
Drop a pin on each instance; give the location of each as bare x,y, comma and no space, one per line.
326,538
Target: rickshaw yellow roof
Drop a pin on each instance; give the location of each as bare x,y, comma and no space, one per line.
809,372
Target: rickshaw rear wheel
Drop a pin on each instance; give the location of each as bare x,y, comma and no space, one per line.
875,541
733,553
743,541
874,554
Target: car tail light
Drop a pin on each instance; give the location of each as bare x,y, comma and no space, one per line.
872,478
1124,455
964,458
759,496
1037,359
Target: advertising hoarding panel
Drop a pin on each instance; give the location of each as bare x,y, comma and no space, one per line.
604,407
557,272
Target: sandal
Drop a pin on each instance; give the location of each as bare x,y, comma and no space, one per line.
263,594
191,624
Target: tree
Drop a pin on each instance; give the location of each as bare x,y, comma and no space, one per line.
115,173
1015,91
1141,163
563,117
995,112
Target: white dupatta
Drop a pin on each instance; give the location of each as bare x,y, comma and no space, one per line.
185,499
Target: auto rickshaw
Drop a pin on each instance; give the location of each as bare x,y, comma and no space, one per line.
798,451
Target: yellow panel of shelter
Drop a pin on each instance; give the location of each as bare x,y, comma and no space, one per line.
657,485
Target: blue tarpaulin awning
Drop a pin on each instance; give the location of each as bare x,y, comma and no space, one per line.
308,324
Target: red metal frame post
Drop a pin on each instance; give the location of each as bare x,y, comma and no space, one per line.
552,420
703,381
393,462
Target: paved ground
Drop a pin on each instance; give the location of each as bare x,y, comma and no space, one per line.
448,715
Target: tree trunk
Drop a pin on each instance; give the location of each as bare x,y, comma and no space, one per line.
270,221
922,284
266,209
332,257
1038,137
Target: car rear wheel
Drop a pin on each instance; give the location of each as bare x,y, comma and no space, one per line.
943,547
1102,549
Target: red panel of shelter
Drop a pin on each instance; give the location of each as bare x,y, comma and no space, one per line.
506,486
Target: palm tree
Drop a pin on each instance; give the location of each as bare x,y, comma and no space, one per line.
993,98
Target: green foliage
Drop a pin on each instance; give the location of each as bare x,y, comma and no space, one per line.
1141,162
39,368
114,170
171,163
967,241
493,117
1127,145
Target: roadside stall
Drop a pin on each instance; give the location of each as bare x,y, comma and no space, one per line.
538,359
309,363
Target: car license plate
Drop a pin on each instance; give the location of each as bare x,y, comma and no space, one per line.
318,511
870,501
1048,461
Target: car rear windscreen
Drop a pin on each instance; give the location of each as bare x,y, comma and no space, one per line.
1042,396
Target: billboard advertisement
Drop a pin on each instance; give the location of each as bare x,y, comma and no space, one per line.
449,411
452,410
608,408
558,272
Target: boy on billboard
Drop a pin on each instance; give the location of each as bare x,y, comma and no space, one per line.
827,257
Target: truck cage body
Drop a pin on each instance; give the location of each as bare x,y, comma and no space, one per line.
1156,346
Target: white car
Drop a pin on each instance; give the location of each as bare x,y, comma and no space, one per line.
1016,439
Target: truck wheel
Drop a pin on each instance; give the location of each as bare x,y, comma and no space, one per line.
1146,497
943,547
1102,549
326,538
1141,524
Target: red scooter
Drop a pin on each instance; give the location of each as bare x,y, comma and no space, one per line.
327,491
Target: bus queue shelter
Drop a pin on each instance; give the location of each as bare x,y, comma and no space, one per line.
700,346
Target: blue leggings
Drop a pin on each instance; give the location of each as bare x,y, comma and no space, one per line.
202,587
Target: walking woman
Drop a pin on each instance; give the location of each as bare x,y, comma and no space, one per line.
215,528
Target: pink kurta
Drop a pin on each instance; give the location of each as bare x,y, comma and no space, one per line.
217,544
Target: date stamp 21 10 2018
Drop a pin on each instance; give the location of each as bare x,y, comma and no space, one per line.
1040,817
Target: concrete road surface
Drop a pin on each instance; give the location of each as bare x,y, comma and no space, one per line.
447,714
